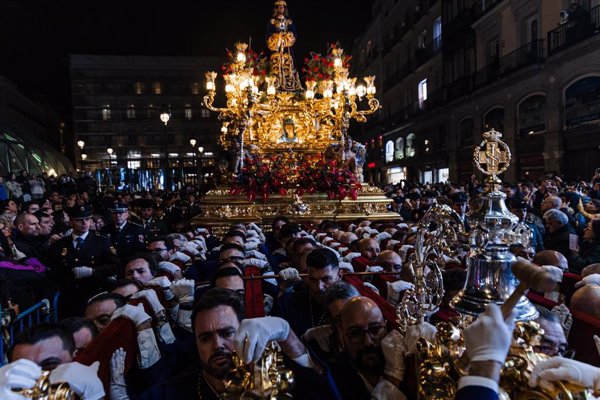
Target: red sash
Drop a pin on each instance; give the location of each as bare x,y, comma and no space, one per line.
254,305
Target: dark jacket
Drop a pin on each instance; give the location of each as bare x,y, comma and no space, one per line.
559,240
589,253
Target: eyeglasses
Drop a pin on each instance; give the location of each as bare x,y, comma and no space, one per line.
357,335
563,351
391,267
231,259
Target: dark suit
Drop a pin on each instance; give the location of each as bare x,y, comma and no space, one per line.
95,252
128,241
154,228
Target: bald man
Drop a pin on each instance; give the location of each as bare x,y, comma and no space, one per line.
551,257
372,364
587,300
369,250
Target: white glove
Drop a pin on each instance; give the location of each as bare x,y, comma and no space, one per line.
372,287
347,266
565,369
374,268
250,246
179,256
289,274
555,272
21,374
254,227
82,272
254,334
593,279
395,288
261,264
164,283
161,281
490,336
18,254
169,267
190,249
118,388
350,256
183,289
83,379
151,298
322,335
394,347
414,332
383,236
255,254
134,313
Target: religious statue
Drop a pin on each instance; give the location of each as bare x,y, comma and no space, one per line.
281,36
288,134
360,157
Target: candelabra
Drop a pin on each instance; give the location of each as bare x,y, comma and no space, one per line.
260,116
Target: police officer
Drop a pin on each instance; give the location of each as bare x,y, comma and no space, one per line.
127,237
84,261
153,227
459,201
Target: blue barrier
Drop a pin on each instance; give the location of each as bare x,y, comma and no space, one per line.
36,314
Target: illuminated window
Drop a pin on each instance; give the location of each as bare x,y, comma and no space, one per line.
195,88
389,151
205,113
410,142
131,112
422,92
106,112
133,164
138,88
399,153
188,111
157,88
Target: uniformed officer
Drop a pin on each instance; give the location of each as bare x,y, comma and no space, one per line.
459,201
153,227
127,237
84,261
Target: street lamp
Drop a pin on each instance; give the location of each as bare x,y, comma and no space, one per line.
110,153
81,143
201,151
165,116
194,162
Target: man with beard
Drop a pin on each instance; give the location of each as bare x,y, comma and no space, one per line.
218,333
372,363
304,309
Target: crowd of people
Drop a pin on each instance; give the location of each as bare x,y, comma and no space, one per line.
153,307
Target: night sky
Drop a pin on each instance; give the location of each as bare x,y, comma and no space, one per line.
36,37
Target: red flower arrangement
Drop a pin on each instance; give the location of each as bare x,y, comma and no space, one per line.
262,176
257,61
318,67
330,177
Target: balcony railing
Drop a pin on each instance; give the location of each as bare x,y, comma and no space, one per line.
424,54
580,26
531,53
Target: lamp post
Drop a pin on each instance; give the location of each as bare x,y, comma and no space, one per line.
201,151
165,116
110,153
81,143
194,161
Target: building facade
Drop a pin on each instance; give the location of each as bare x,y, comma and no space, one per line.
27,135
451,69
117,105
